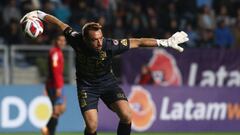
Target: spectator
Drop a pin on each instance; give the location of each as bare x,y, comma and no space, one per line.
172,11
206,39
135,15
29,5
11,11
48,7
12,33
188,11
118,30
223,36
62,12
136,28
192,35
202,3
1,29
236,30
173,26
223,15
151,18
206,19
153,30
102,21
170,15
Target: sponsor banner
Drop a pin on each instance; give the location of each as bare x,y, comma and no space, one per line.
193,67
154,108
26,109
178,109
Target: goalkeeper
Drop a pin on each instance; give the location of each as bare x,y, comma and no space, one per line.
95,79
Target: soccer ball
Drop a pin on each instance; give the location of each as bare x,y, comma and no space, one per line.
33,27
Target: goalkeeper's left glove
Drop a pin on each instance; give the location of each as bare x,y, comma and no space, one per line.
174,41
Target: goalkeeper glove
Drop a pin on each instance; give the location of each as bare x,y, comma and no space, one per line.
174,41
33,14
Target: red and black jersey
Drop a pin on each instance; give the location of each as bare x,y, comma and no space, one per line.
55,67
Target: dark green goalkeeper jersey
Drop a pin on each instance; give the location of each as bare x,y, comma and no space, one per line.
94,69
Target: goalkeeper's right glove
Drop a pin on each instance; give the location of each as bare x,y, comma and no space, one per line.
33,14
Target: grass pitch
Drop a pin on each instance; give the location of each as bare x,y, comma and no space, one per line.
203,133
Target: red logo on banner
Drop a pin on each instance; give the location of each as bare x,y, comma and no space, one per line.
164,69
143,108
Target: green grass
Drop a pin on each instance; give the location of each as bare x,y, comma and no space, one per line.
212,133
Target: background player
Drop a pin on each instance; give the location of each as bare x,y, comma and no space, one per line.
54,84
93,68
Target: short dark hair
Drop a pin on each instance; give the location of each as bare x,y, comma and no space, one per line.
90,26
56,37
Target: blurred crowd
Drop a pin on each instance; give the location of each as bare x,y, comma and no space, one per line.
209,23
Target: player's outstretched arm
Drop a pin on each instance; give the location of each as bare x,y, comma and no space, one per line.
45,17
173,41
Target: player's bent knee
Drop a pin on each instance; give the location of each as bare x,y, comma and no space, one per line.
61,111
63,107
91,127
56,114
126,117
91,120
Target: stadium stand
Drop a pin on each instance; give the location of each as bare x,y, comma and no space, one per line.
135,18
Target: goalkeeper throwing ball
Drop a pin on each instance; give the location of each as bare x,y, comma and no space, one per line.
95,80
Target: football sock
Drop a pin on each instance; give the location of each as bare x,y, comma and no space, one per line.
124,129
52,123
86,133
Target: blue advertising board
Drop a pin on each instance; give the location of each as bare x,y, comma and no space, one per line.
26,109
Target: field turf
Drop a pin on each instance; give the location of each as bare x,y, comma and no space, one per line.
203,133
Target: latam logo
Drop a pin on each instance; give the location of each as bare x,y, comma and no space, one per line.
209,78
143,108
146,111
190,110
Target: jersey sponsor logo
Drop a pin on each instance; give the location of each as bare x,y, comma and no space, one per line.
102,55
124,42
115,42
164,69
143,108
121,95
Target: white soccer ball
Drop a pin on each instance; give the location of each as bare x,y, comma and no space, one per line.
33,27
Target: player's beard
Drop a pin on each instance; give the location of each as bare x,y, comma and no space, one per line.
92,49
98,49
